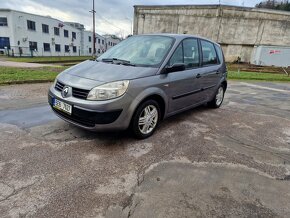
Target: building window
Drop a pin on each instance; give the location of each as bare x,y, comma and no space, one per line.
99,51
74,49
57,48
65,33
74,35
103,42
99,41
90,50
90,38
33,46
4,42
3,21
46,47
66,48
31,25
56,31
45,28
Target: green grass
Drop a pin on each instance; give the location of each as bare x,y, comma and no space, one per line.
11,75
49,59
234,75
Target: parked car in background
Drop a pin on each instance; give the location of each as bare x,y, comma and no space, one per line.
139,82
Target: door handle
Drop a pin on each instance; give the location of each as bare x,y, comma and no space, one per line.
198,76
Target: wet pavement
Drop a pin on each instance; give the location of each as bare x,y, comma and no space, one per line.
229,162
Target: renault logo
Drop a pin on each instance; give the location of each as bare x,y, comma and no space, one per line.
65,91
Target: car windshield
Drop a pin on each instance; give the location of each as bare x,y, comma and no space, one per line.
140,50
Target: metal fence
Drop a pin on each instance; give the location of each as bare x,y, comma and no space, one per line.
18,51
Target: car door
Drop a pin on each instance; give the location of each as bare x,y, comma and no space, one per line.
184,85
210,71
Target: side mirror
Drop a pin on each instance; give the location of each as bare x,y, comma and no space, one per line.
175,68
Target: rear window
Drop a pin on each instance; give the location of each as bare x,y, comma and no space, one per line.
209,56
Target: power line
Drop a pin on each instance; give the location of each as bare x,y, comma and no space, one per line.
104,19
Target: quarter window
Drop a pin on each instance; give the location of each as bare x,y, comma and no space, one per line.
219,52
209,56
45,28
31,25
3,21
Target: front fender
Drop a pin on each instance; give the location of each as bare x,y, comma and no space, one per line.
152,91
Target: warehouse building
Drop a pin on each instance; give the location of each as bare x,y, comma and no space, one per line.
24,34
240,30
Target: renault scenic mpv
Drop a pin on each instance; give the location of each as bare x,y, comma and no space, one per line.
139,82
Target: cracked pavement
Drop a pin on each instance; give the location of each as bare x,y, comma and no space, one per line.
229,162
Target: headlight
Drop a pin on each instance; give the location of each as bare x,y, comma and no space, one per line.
108,91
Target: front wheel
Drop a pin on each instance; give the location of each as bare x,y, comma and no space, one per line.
218,99
146,119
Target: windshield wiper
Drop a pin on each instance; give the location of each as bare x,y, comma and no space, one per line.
118,61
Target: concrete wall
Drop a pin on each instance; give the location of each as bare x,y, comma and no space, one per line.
237,29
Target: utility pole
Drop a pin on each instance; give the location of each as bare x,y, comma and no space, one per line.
94,31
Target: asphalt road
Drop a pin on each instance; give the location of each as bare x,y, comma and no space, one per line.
230,162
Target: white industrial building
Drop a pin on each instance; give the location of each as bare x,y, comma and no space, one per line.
24,34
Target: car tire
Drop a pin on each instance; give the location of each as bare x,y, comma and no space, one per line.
218,99
146,119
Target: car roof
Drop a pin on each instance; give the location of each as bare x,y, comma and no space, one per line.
179,37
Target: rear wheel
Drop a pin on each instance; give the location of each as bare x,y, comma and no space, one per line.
218,99
146,119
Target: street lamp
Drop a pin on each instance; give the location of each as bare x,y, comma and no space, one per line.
94,31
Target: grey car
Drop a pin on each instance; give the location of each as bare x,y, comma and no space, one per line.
139,82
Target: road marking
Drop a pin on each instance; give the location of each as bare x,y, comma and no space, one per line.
266,88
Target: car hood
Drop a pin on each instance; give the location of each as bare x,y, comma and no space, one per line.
108,72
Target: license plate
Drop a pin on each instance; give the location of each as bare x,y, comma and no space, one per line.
67,108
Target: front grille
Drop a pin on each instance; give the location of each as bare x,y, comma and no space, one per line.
59,86
77,93
80,93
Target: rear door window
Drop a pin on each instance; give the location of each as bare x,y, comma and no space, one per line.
209,56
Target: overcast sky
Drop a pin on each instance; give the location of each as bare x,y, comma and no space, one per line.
112,17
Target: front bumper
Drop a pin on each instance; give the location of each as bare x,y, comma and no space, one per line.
95,116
